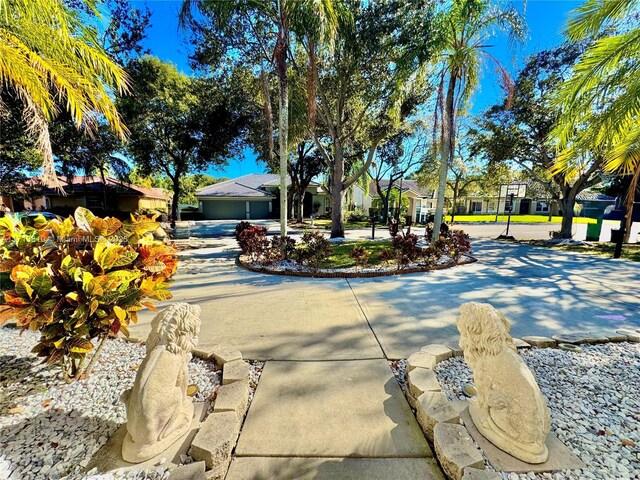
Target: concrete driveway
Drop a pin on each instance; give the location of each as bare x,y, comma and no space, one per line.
268,317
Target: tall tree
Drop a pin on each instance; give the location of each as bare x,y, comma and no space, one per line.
50,60
466,27
178,124
518,132
367,89
599,102
267,28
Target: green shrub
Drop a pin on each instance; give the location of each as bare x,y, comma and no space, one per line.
81,279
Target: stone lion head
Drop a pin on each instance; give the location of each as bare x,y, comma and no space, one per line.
176,328
483,330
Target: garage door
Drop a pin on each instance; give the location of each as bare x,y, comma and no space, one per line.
224,209
259,210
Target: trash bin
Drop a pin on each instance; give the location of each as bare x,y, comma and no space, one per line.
616,235
594,230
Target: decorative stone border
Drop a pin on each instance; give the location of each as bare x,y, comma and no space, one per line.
439,418
337,274
218,434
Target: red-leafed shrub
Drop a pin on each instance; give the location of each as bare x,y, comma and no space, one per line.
282,248
253,242
241,227
315,249
457,244
405,248
360,255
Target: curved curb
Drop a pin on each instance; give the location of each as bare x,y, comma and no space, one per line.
338,274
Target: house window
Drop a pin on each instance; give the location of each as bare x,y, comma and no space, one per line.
542,207
476,207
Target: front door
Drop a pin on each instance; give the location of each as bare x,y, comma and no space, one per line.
525,206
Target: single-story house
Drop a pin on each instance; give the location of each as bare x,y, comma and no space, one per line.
422,201
117,196
529,199
255,196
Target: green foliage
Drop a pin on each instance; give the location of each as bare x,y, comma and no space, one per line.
50,60
178,124
314,250
81,278
599,101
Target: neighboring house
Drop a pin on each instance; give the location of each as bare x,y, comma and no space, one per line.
91,192
255,196
530,199
422,201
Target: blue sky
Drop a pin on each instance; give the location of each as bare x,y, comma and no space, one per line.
546,20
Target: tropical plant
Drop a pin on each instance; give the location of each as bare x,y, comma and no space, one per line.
51,61
360,255
253,241
599,102
314,250
405,248
81,279
282,248
241,227
465,26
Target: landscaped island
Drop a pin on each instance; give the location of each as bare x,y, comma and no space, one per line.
315,255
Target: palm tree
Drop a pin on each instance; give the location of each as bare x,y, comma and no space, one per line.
50,61
600,106
466,27
315,20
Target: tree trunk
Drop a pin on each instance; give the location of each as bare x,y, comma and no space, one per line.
568,202
631,196
175,201
300,211
455,198
337,227
281,52
446,142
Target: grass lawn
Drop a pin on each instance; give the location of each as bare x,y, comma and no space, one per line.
326,223
515,219
630,251
341,257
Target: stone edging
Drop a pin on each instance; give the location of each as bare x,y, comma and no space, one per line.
213,444
338,274
439,418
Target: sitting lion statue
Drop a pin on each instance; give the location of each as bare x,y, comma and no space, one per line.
510,410
159,411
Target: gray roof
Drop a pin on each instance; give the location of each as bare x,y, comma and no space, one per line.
245,186
406,185
591,196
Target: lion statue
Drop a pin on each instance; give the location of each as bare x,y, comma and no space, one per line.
510,410
159,411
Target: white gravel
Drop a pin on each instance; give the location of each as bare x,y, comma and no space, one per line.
594,404
399,369
60,426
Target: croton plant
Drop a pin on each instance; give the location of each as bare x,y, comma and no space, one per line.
81,279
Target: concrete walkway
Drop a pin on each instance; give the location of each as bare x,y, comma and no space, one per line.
327,405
